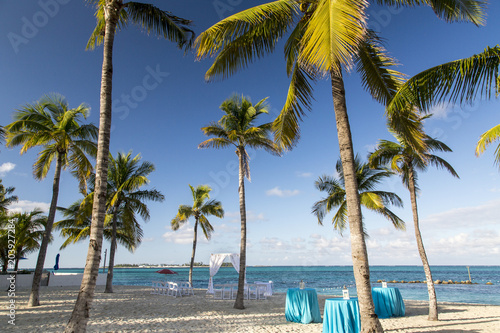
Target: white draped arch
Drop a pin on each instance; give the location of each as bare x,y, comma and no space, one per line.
216,261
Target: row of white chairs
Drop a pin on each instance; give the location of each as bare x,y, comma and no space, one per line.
229,291
171,288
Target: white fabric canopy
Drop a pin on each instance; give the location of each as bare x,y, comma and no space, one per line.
216,261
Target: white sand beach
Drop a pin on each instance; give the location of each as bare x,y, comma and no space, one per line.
134,309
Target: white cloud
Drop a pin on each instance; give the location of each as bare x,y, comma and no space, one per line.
304,174
27,206
441,111
6,167
465,217
234,217
183,235
281,193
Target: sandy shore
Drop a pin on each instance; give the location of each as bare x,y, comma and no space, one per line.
134,309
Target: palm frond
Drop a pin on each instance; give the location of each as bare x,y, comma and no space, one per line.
333,34
242,37
457,81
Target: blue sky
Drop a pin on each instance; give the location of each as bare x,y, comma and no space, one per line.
161,101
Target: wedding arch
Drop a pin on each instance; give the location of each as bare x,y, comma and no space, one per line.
216,261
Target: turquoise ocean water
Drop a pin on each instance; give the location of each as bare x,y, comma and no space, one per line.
330,279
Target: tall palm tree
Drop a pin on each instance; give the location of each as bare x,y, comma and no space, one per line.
126,177
237,128
112,15
400,157
326,37
75,226
5,197
200,209
367,178
29,232
55,127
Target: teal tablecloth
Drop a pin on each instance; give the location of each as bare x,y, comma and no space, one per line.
341,316
302,306
388,302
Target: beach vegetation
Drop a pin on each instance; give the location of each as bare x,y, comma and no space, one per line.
29,228
238,129
372,199
58,130
202,208
325,38
111,17
6,197
403,159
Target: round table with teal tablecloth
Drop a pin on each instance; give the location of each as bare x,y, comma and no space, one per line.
341,316
388,302
302,306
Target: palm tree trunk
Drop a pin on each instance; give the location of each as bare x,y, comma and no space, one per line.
112,250
80,315
238,304
369,320
37,277
433,310
195,239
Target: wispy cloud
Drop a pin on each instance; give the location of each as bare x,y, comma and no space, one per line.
6,167
468,217
281,193
184,235
304,174
441,111
234,217
27,206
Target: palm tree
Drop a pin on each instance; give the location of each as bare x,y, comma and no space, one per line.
76,226
112,15
404,160
126,175
200,209
488,137
367,178
29,232
327,36
52,125
5,197
237,128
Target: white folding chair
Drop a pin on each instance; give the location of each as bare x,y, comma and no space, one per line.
261,291
252,291
174,289
227,292
218,292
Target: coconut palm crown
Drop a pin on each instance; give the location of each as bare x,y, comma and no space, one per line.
372,199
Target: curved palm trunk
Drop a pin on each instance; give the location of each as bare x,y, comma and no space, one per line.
195,240
238,304
80,315
112,251
433,310
34,299
369,320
